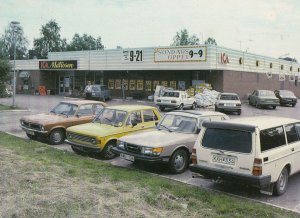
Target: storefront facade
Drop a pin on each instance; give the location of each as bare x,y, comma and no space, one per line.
139,70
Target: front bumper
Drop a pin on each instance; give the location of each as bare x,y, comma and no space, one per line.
141,157
83,147
255,181
261,103
34,130
288,101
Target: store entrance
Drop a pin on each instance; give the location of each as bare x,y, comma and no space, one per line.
65,85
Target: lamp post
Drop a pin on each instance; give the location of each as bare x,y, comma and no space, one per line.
14,24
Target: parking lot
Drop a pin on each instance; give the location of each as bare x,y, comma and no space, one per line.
9,122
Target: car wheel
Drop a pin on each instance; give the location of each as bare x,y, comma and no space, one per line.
239,112
216,108
281,183
194,105
293,105
257,105
179,161
57,136
274,107
161,108
180,107
77,151
32,137
107,151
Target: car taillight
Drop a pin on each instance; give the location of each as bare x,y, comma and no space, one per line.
194,156
257,167
158,100
238,105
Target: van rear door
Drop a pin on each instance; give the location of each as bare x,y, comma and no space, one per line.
227,149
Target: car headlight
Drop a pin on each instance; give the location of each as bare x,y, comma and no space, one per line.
121,145
151,151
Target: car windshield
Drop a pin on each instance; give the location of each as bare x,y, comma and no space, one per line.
177,123
286,93
228,140
171,94
229,97
96,88
65,109
266,93
111,117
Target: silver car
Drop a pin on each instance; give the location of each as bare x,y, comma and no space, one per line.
171,142
228,102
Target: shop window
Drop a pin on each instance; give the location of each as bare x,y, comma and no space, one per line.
148,85
111,84
132,84
140,84
117,84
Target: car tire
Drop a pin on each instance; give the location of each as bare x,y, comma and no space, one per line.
161,108
257,105
57,136
179,161
194,105
32,137
280,185
239,112
181,107
216,108
293,105
274,107
107,153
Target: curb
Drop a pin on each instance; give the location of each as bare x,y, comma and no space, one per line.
14,111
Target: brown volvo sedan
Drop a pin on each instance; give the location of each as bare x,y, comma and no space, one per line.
52,125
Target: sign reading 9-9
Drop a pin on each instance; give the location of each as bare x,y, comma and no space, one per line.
180,54
133,56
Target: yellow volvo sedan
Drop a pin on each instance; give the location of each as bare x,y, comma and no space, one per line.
101,135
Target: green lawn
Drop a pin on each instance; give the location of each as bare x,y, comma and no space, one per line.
40,181
7,107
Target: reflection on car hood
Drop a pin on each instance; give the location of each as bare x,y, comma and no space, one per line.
158,138
45,118
96,129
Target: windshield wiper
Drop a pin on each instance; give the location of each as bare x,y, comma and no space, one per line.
165,127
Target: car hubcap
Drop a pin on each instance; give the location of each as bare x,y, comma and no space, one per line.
282,182
179,162
57,137
109,151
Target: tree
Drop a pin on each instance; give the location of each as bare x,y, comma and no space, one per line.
5,68
84,42
182,38
50,40
7,43
210,41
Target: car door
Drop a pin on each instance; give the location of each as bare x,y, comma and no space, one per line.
189,100
85,114
252,97
293,139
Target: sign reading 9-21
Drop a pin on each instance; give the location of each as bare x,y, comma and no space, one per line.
133,56
180,54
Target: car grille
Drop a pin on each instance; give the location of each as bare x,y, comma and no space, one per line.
31,125
133,148
77,137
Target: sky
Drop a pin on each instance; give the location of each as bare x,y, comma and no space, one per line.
265,27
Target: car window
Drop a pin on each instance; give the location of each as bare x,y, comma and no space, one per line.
65,109
228,140
266,93
229,97
134,117
111,117
98,108
95,88
149,115
272,138
291,133
86,109
171,94
178,123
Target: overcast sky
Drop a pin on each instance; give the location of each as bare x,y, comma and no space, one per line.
266,27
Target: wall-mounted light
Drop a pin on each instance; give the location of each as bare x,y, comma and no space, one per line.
271,65
257,63
241,60
281,67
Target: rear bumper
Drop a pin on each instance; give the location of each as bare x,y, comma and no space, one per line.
224,108
83,148
268,103
141,157
255,181
168,105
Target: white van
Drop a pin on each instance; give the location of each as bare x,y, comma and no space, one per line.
258,151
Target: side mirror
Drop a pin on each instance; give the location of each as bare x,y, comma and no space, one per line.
198,130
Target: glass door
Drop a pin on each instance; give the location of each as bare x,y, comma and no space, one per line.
65,85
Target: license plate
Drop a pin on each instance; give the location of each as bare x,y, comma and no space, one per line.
93,94
127,157
229,105
223,159
29,132
165,101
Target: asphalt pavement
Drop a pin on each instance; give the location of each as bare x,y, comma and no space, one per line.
9,122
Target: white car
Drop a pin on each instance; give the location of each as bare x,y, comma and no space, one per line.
228,102
257,151
176,99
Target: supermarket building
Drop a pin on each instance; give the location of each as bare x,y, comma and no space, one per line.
140,70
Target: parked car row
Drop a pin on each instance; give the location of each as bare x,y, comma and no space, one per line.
258,151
